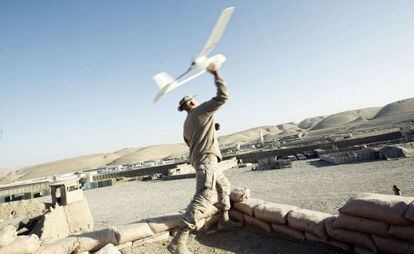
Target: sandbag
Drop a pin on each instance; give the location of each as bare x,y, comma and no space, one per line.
247,206
363,225
409,215
236,215
7,235
331,242
273,213
62,246
285,230
338,244
22,245
239,194
108,249
387,208
255,222
390,152
154,238
402,232
93,241
132,232
52,225
308,221
164,223
23,208
361,250
79,217
348,236
313,238
393,246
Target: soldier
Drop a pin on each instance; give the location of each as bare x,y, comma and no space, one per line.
201,137
397,191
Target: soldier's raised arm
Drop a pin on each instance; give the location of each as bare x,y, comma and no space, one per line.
222,95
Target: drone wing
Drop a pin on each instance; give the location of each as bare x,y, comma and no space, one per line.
217,32
165,88
163,79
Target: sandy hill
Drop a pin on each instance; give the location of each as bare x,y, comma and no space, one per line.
395,108
67,165
156,152
389,116
124,156
254,133
309,123
346,117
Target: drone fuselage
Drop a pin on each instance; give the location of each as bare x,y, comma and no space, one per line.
203,62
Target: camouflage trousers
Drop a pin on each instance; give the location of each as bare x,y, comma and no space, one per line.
209,179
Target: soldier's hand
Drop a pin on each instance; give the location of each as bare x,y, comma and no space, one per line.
212,68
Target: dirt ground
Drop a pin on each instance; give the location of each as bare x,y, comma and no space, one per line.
243,241
309,184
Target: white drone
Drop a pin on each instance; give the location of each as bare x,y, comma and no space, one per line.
166,83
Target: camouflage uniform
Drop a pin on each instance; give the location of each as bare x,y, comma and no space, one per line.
208,179
201,137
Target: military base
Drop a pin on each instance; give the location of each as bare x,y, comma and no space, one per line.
357,176
300,140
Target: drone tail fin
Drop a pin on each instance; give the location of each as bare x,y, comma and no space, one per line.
163,79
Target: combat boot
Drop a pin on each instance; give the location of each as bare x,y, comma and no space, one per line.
229,225
178,244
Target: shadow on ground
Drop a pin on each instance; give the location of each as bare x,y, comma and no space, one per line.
320,163
251,241
246,241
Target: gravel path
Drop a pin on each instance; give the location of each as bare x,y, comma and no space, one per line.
309,184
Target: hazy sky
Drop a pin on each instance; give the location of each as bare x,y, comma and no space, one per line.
76,76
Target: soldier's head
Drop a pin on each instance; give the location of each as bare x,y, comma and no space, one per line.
187,103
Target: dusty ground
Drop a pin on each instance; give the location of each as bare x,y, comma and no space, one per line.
244,241
309,184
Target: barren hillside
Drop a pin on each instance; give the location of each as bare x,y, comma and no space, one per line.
388,116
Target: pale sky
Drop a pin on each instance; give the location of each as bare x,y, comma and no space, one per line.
76,76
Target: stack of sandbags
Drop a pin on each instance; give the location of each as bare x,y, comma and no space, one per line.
63,221
7,235
286,220
239,194
52,226
375,222
365,154
11,243
276,215
244,212
23,208
139,231
62,246
312,224
96,240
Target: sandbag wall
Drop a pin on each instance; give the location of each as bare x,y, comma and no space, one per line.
366,154
273,163
120,236
370,223
11,243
